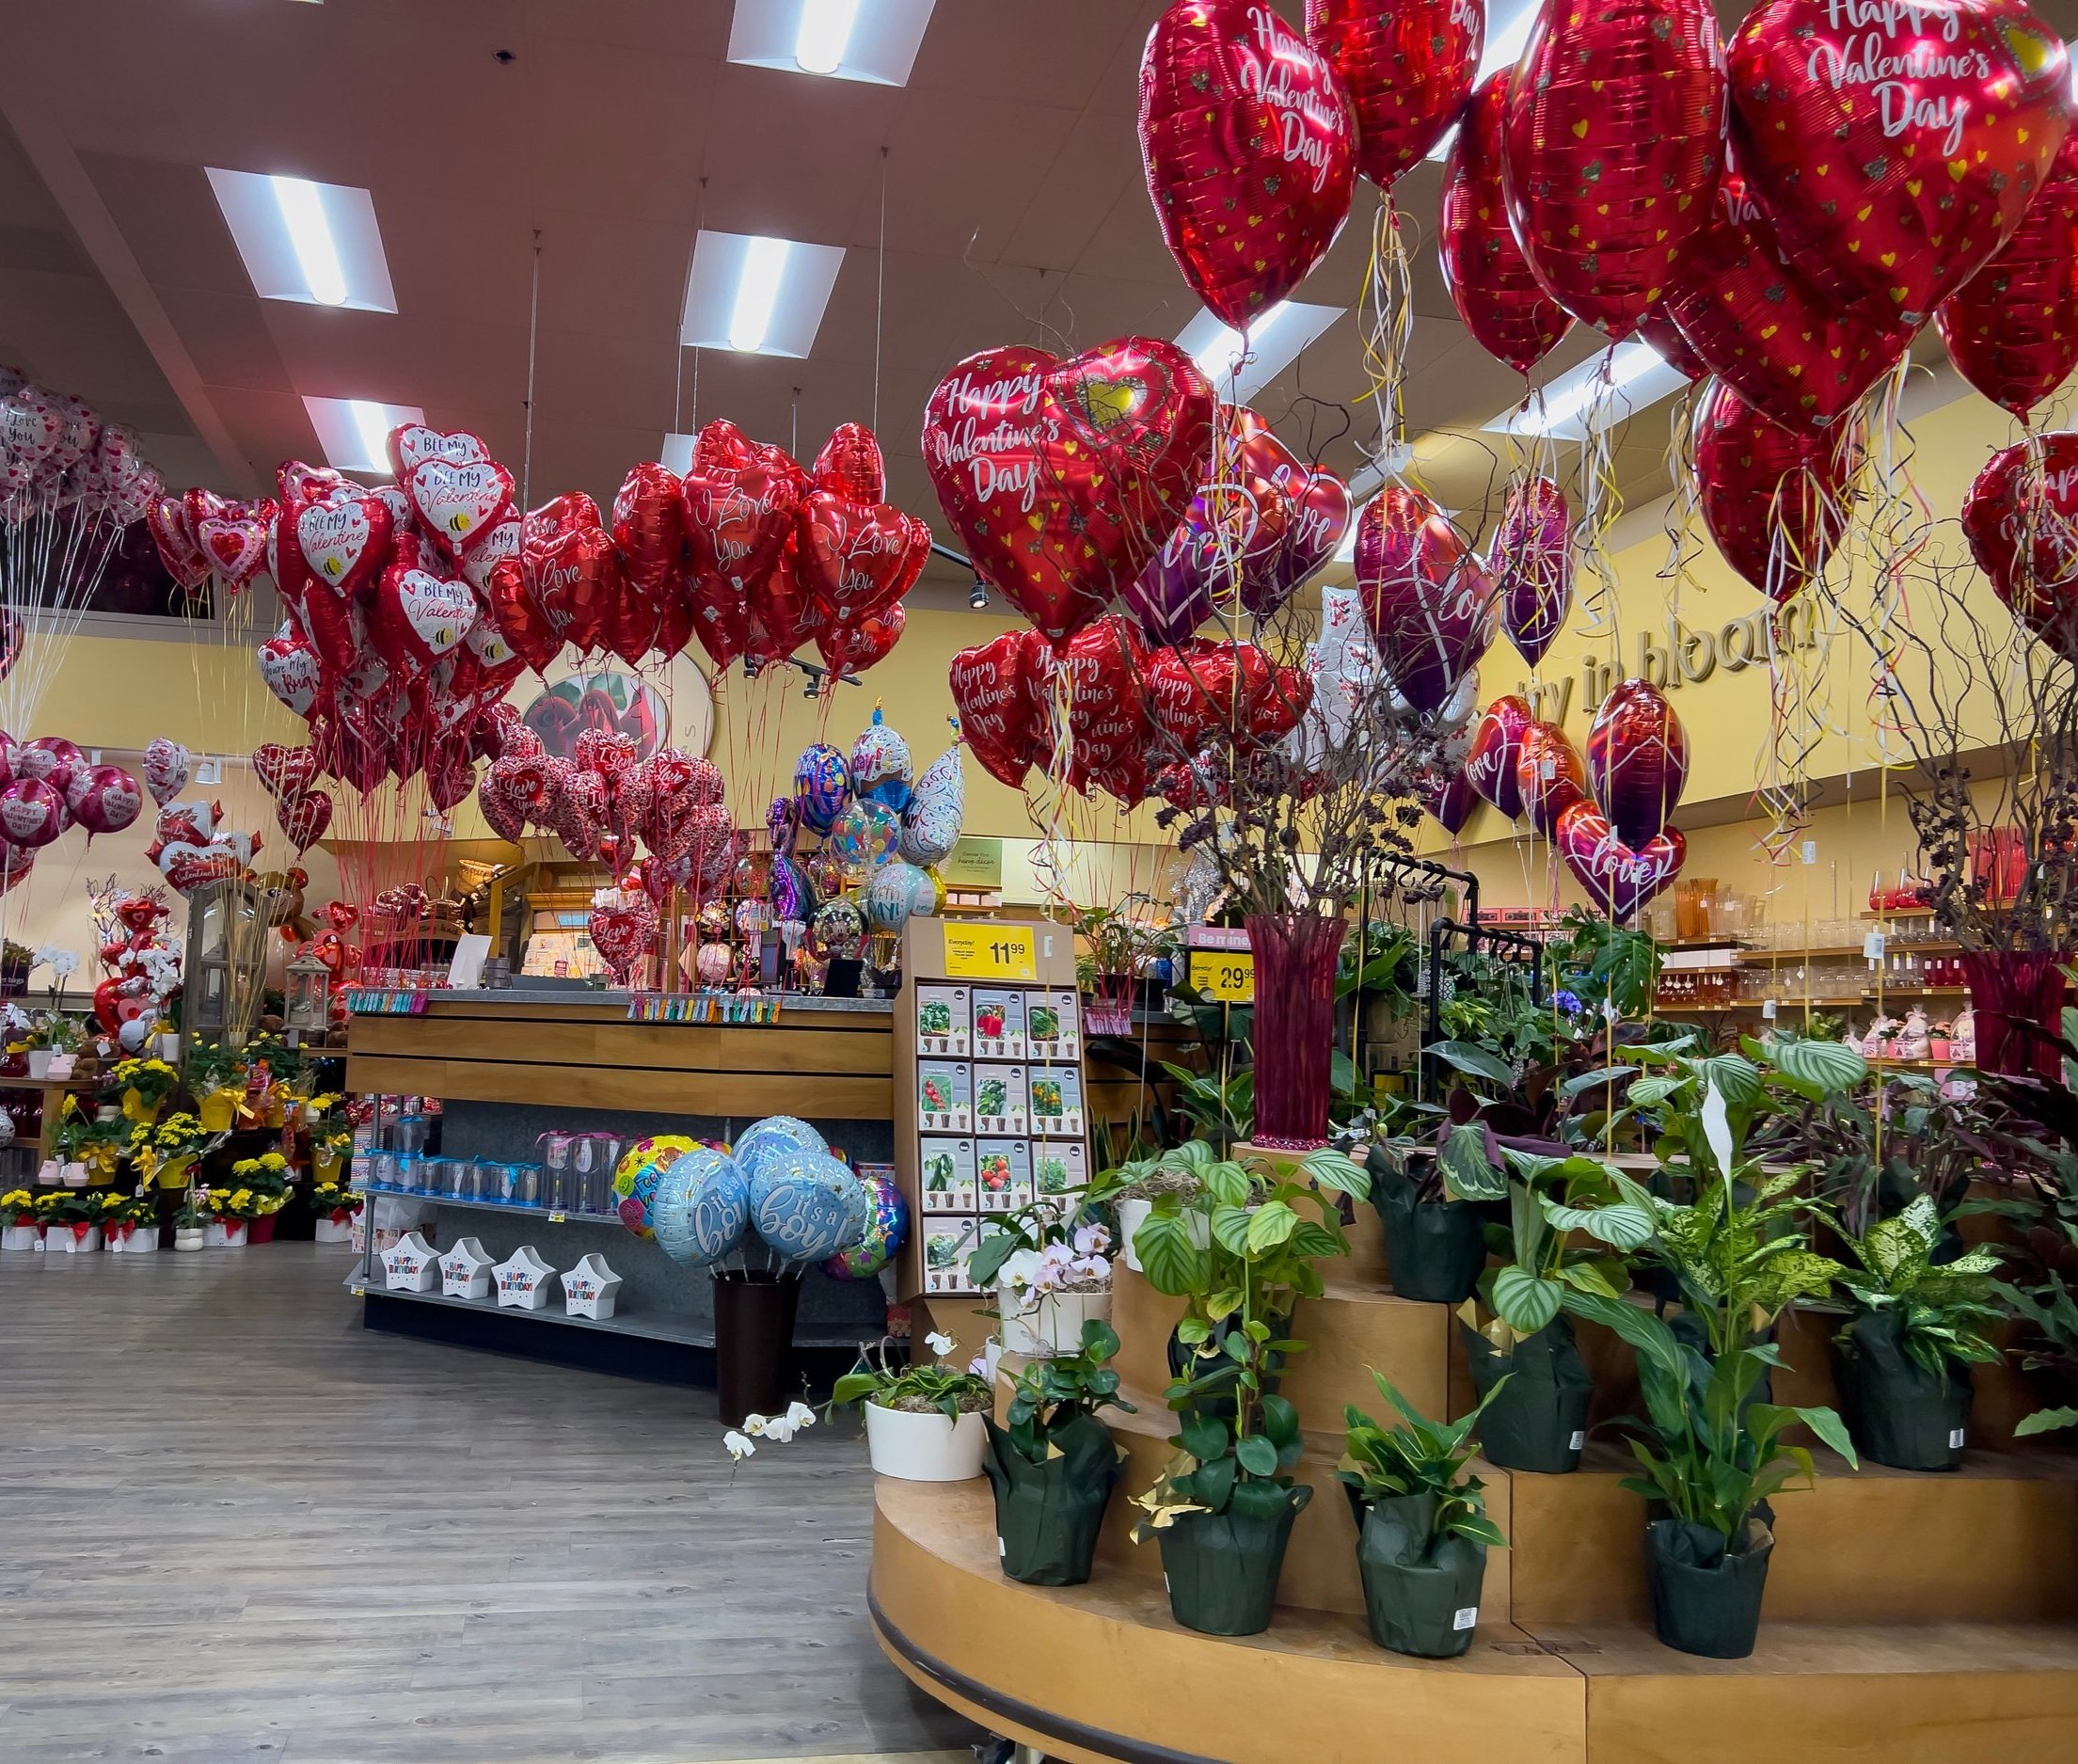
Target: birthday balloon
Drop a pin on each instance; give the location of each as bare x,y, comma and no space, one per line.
898,891
1249,144
1491,766
807,1205
886,1230
701,1207
769,1137
930,824
637,1174
837,928
880,767
822,785
1637,760
865,834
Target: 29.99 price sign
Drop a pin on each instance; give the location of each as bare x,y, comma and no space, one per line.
1227,974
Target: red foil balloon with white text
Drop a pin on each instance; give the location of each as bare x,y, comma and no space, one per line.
1618,877
1249,144
740,501
1549,775
1774,501
1408,67
1064,477
1895,145
1108,728
999,688
1611,144
1637,760
1426,596
2022,523
1493,763
2013,328
1502,304
1317,512
1531,560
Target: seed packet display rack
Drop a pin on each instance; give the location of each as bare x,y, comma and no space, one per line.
990,1091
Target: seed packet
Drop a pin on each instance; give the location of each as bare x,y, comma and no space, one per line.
999,1104
1059,1166
999,1021
947,1175
1053,1026
949,1242
1057,1101
1003,1173
942,1022
945,1096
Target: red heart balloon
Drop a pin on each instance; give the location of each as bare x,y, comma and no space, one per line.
1108,730
1755,321
859,557
624,927
1549,776
850,465
1612,142
2013,328
1493,763
305,818
1531,559
344,541
649,526
739,500
1618,877
779,611
1250,143
418,615
1452,801
577,811
284,771
852,646
166,519
298,483
503,813
1426,596
1407,67
236,547
518,620
459,504
1637,760
572,571
1775,502
450,778
1065,477
1000,710
1314,516
495,664
1895,146
2012,502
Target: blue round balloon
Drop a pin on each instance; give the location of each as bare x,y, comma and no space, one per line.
887,1232
822,785
702,1207
808,1205
775,1133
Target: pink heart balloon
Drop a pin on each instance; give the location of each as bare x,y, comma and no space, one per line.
1426,596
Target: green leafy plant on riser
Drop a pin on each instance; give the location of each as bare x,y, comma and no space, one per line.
1052,1393
1941,1307
1419,1457
1224,1114
2052,1311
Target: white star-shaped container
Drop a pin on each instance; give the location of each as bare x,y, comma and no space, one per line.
522,1280
590,1289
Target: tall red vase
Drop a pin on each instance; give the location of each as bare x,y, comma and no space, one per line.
2009,992
1294,1026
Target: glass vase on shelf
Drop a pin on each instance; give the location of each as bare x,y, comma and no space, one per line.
1294,1026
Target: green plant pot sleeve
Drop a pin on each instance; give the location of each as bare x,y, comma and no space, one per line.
1706,1599
1435,1249
1539,1421
1421,1591
1048,1515
1222,1568
1899,1413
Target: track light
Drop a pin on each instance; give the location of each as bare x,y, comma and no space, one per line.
979,600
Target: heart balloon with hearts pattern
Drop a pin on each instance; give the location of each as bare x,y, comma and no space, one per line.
459,504
305,818
166,766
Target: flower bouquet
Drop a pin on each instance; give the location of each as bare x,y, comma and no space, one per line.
266,1180
335,1207
166,1151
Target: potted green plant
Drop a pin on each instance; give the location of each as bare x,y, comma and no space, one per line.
1421,1525
1918,1327
1435,1238
71,1221
142,1086
1131,1190
922,1422
1223,1510
51,1033
192,1221
1051,1463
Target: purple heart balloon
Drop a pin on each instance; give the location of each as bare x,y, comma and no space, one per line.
1452,801
1315,515
1426,596
1531,564
1172,597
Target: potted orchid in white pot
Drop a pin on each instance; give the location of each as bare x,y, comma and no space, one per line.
923,1420
1050,1263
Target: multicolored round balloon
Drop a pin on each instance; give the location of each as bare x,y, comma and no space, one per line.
807,1205
766,1138
702,1207
636,1176
822,785
882,768
887,1232
866,834
898,891
930,824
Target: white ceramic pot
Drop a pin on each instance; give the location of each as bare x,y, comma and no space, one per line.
39,1061
64,1240
169,1048
927,1448
187,1237
232,1236
144,1241
1045,1325
21,1238
334,1231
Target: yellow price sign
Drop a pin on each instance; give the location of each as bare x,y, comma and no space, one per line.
991,952
1227,974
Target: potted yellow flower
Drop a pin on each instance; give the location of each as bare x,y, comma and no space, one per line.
166,1151
218,1075
18,1221
335,1206
131,1222
231,1212
144,1086
71,1221
331,1137
266,1180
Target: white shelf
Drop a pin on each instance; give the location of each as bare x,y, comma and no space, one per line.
650,1325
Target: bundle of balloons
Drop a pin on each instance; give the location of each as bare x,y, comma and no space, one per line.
143,972
1606,815
192,848
779,1183
45,786
57,457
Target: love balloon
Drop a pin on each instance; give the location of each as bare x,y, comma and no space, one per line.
1427,599
1618,877
1637,760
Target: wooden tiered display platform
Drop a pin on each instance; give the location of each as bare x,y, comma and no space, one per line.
1926,1619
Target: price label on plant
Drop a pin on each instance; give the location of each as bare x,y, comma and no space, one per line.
1227,974
991,952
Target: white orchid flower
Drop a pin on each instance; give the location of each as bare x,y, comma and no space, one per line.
800,1415
756,1424
739,1448
940,1345
778,1429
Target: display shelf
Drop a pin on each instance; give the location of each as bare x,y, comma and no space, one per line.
543,1214
649,1326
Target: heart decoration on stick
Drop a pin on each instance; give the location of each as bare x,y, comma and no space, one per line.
1618,877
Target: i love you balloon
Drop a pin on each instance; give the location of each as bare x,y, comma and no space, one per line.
1249,144
1427,599
1065,477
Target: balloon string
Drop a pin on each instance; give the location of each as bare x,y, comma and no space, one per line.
1386,322
533,336
1601,504
678,336
1683,545
879,291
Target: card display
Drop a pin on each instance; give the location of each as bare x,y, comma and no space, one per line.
1059,1166
1001,1100
943,1023
999,1023
948,1174
1005,1169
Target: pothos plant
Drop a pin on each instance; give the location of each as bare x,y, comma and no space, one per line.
1241,1252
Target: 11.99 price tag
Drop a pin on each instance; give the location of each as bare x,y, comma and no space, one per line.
991,952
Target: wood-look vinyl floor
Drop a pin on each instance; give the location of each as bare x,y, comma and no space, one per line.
234,1525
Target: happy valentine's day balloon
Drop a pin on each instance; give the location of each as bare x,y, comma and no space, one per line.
1002,707
1774,501
2021,520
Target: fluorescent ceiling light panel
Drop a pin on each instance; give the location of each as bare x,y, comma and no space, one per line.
1274,343
313,242
1508,23
1636,371
757,295
354,433
873,41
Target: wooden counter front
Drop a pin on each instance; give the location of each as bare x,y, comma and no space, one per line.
830,1060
